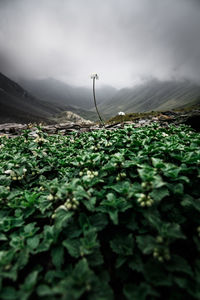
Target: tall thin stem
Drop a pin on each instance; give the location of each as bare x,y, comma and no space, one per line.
95,103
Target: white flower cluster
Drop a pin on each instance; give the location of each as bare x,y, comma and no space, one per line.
50,197
14,176
39,139
165,134
107,144
147,186
161,254
94,76
145,200
120,176
70,204
89,174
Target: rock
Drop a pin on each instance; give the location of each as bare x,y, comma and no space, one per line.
69,116
191,118
193,121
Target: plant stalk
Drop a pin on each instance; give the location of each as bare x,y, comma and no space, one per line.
95,103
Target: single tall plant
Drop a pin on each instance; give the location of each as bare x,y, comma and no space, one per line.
94,77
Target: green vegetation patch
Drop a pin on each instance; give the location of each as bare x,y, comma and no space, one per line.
101,215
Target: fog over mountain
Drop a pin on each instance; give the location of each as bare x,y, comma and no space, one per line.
125,41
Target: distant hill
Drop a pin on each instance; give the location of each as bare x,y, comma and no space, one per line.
152,95
17,105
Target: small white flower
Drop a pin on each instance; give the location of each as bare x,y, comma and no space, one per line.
121,113
94,76
123,174
155,254
68,206
159,239
61,207
8,171
50,197
160,259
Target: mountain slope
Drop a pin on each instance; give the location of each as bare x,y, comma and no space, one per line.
17,105
153,95
55,91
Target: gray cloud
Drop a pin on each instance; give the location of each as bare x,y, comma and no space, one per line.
124,41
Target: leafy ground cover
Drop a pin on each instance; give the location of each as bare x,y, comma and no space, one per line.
101,215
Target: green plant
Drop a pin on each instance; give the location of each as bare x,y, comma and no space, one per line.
101,215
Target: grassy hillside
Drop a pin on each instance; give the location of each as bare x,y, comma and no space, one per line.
153,95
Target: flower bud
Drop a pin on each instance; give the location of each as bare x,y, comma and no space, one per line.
50,197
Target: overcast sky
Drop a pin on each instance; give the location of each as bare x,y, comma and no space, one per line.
124,41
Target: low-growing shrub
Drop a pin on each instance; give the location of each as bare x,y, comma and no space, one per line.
101,215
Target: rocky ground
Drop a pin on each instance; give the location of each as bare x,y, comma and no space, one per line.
191,118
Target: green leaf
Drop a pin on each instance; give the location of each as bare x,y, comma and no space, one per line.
44,290
157,162
120,261
3,237
57,255
30,281
136,263
190,201
99,221
155,274
139,292
171,230
179,264
62,218
113,205
146,243
181,282
147,173
159,194
8,293
73,247
89,242
121,187
176,188
33,242
123,245
95,258
90,204
171,171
